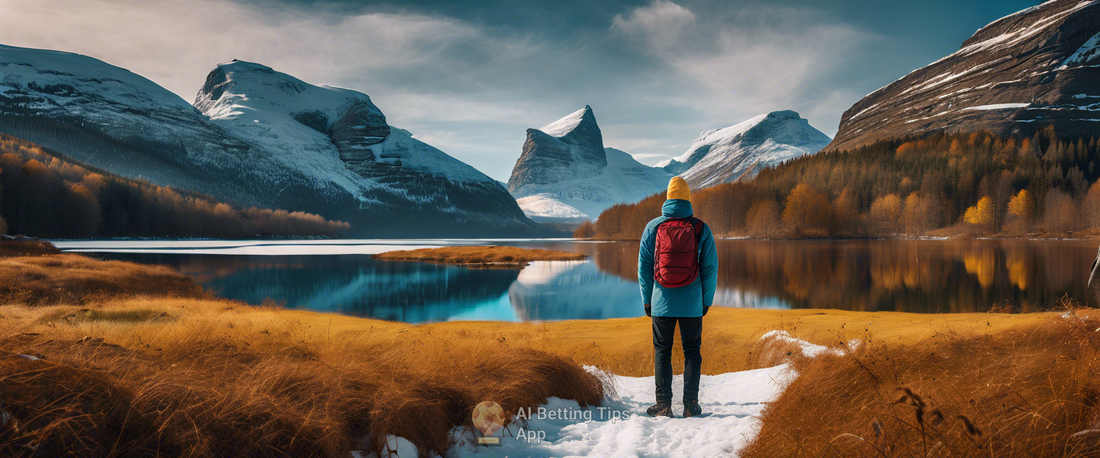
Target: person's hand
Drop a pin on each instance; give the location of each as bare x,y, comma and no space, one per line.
705,310
648,311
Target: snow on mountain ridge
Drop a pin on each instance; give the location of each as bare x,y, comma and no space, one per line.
567,124
624,180
566,172
1085,54
741,150
283,113
255,102
102,101
64,67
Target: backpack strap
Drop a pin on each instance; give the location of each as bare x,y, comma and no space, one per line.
697,224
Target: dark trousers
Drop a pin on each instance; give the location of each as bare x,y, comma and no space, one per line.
691,336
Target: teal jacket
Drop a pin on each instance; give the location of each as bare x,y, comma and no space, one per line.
685,301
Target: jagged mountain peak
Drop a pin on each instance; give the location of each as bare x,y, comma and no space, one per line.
569,147
583,119
566,173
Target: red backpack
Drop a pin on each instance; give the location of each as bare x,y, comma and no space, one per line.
676,253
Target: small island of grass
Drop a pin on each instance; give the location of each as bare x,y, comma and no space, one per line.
506,257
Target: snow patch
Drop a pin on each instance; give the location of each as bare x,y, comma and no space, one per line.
546,206
732,404
1086,53
396,447
998,106
623,180
565,125
809,350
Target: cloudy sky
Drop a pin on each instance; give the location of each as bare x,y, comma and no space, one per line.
469,77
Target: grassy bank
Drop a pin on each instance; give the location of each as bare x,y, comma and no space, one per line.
480,256
177,372
120,359
1026,391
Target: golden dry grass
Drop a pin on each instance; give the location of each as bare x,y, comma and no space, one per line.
25,247
75,279
1030,390
147,375
485,256
199,377
136,361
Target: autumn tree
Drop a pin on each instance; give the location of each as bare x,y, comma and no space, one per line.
885,214
846,213
981,214
807,210
762,220
1021,210
1059,212
585,231
48,196
911,214
1090,208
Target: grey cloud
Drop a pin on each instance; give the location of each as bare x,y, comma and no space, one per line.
750,60
657,74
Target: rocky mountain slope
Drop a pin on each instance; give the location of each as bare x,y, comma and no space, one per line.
257,137
1028,70
566,174
740,151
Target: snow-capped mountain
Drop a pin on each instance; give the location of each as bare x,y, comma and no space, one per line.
261,138
1023,72
565,173
340,136
111,118
742,150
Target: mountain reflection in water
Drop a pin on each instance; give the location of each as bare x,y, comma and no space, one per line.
925,276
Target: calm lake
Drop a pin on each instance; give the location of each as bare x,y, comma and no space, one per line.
925,276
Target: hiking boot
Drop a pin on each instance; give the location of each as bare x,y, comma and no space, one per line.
660,409
692,409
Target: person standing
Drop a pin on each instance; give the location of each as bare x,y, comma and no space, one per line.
678,273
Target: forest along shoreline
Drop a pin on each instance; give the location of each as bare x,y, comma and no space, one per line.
152,347
940,185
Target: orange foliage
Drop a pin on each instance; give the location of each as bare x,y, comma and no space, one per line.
938,175
48,196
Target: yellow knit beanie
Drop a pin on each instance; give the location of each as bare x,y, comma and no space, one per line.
678,189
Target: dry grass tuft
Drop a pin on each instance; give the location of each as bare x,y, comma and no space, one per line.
75,279
225,379
26,247
480,256
1029,391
